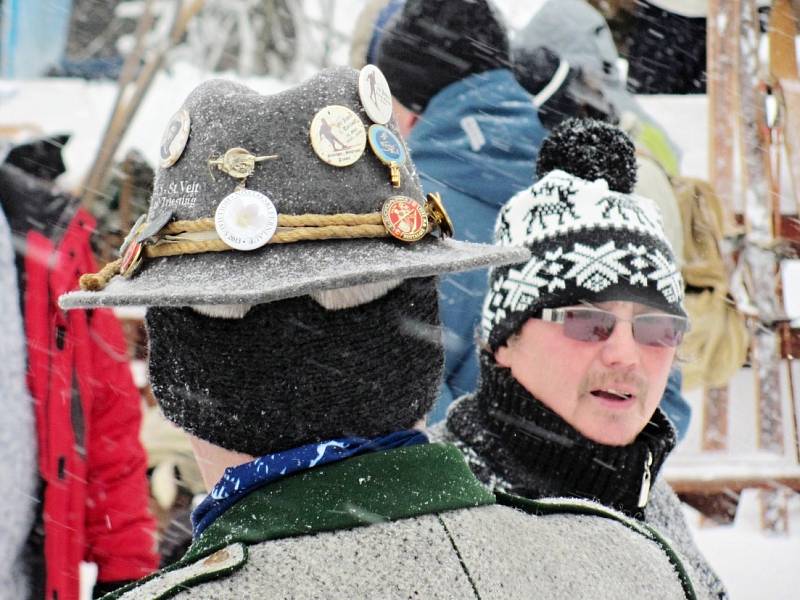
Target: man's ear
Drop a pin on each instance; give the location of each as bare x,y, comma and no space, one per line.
503,355
405,118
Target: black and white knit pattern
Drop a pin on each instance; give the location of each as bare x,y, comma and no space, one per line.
588,243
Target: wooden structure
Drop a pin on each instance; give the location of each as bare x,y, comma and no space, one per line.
745,160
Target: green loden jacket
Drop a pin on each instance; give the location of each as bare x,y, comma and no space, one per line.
415,522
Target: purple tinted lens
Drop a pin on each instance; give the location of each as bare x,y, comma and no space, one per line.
659,330
588,325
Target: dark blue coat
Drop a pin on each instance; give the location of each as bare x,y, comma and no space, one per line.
476,143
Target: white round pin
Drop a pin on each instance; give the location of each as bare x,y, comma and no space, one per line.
338,136
246,220
174,139
375,94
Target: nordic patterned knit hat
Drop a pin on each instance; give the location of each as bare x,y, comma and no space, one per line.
588,242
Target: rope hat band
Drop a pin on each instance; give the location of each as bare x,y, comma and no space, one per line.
401,217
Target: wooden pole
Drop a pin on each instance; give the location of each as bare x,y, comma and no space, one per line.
129,97
722,34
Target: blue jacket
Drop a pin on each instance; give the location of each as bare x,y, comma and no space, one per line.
476,143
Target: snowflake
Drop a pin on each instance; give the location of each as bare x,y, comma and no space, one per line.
667,277
523,286
596,269
639,263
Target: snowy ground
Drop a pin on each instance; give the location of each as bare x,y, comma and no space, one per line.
754,565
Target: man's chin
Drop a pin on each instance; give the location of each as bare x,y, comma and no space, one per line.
611,432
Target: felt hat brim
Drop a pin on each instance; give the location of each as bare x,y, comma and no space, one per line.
275,272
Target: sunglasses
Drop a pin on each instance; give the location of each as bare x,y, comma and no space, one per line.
596,325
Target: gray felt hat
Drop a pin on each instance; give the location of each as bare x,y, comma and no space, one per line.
221,115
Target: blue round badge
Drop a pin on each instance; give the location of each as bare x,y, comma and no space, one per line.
386,145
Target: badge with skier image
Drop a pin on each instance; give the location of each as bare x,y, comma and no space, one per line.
404,218
389,150
174,139
376,98
338,136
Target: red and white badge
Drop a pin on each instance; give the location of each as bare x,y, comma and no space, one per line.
404,218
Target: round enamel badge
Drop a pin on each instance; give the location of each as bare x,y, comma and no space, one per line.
386,145
131,259
404,218
338,136
174,139
132,234
246,220
373,89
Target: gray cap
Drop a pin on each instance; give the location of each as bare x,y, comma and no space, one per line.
223,115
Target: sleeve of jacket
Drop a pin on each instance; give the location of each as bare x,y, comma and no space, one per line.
119,528
664,512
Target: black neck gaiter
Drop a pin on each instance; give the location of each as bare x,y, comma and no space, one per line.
523,447
291,372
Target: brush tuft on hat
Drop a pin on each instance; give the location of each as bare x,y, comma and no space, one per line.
590,149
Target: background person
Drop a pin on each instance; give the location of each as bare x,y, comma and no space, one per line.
303,412
473,133
579,343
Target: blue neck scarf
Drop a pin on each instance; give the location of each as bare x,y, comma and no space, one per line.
239,481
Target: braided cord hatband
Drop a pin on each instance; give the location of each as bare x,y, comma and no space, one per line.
291,228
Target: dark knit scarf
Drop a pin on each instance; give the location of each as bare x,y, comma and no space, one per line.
515,443
292,373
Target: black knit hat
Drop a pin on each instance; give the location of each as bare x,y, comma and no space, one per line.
292,372
434,43
590,240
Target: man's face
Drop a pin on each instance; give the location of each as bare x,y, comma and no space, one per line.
607,390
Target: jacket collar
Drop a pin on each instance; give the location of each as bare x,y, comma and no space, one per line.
521,446
377,487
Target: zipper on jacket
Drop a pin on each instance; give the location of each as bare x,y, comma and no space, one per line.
644,492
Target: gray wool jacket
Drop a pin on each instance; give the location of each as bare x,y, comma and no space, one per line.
663,513
414,522
18,470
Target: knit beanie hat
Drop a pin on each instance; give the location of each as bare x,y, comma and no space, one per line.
434,43
293,372
591,240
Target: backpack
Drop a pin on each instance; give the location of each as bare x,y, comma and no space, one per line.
716,345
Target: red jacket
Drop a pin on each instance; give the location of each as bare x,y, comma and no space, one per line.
88,416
